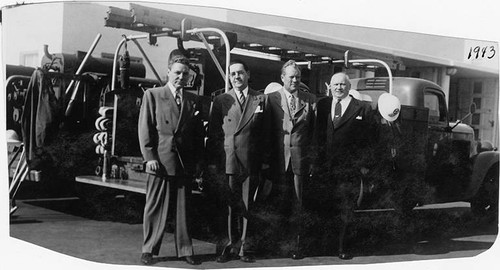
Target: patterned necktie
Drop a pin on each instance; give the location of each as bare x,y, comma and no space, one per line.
292,104
338,111
178,100
242,99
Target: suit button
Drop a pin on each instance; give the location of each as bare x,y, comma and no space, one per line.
167,122
229,120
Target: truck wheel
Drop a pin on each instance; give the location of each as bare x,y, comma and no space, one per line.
485,202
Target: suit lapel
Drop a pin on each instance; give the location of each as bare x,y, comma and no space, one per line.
173,114
302,103
351,110
234,107
186,109
284,104
250,105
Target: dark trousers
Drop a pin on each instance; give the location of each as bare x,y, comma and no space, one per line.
350,192
160,191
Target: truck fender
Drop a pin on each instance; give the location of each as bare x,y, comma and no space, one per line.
483,162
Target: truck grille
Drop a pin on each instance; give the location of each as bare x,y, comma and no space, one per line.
376,83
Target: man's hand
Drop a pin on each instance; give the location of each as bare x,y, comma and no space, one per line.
152,165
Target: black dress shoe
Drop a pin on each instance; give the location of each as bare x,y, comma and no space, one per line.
247,258
345,256
224,257
147,258
297,255
191,260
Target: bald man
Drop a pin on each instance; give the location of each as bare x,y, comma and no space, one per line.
343,134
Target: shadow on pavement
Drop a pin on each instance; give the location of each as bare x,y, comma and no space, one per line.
422,232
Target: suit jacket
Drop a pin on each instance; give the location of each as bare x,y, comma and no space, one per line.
235,136
351,137
291,136
174,138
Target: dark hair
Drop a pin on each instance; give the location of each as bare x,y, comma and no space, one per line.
178,59
239,61
290,63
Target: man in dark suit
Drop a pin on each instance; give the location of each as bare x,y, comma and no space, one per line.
171,138
235,140
290,117
344,133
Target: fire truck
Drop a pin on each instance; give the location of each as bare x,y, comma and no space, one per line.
428,158
434,160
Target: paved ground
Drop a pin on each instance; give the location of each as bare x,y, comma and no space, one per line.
42,230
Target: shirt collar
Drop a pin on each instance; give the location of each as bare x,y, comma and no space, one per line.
288,94
344,101
245,92
172,89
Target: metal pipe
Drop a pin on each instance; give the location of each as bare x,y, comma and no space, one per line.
211,53
72,99
228,53
14,77
115,99
113,80
89,52
13,158
389,72
46,51
147,61
19,173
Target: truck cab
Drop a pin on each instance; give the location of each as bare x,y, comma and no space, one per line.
434,160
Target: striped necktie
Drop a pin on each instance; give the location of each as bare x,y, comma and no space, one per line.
242,99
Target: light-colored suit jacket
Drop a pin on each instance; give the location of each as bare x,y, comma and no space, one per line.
235,136
173,137
291,136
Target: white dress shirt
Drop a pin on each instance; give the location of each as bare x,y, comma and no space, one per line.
245,93
344,102
172,89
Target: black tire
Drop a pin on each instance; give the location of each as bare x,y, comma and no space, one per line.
485,202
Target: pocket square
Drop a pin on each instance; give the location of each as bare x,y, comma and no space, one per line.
359,117
258,109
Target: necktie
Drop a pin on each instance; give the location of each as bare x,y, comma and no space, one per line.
292,104
338,111
178,100
242,99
